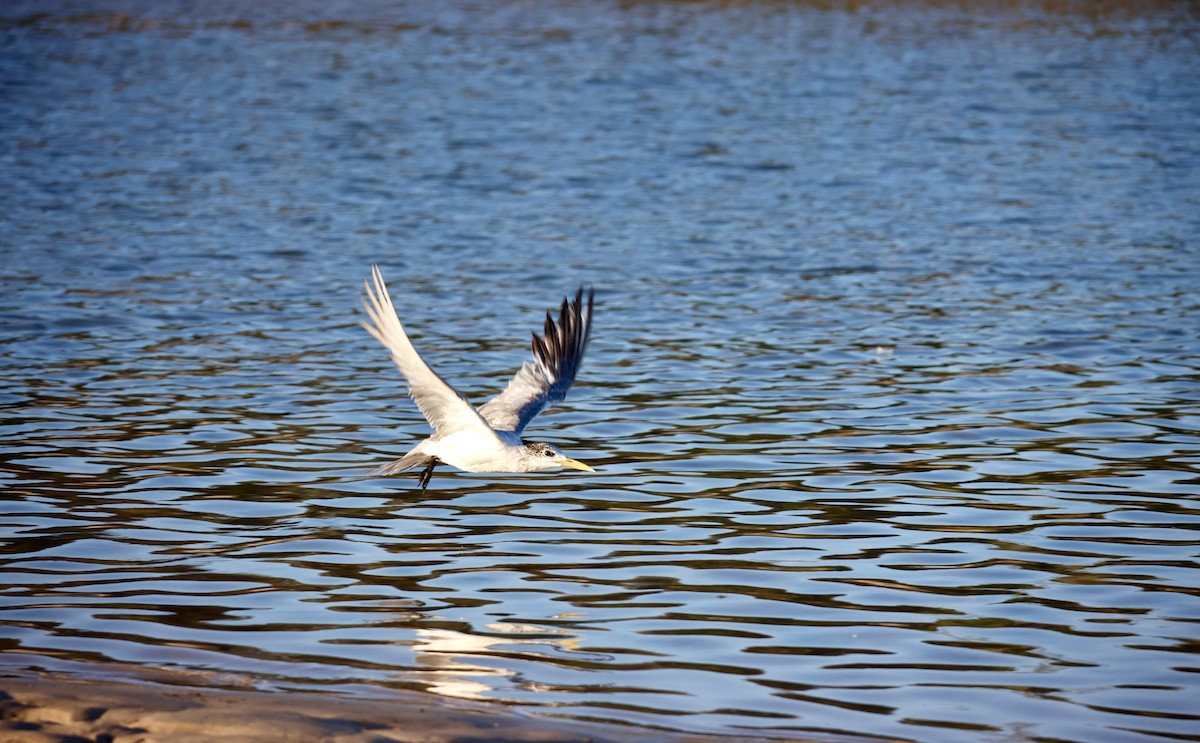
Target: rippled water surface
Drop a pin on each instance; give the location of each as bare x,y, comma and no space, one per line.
892,393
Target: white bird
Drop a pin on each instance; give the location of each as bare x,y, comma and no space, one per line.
487,439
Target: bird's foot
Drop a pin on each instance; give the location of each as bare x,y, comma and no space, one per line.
427,473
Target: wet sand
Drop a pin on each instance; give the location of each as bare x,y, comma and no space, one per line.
163,706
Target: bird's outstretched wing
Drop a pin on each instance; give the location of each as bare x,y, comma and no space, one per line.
557,354
445,409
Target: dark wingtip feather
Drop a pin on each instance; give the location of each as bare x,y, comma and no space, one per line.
564,339
539,350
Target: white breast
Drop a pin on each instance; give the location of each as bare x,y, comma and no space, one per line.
471,452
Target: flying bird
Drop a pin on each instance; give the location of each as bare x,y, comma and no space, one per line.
487,439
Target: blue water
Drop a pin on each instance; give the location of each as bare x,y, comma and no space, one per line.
892,393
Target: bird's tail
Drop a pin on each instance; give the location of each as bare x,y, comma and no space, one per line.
410,461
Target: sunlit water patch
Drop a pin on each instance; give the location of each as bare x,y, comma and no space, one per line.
892,391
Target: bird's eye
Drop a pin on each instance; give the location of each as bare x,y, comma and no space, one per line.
548,453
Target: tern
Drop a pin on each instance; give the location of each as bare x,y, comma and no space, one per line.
487,439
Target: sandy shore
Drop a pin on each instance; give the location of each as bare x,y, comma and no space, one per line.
162,707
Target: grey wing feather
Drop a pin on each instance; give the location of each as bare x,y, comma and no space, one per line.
557,356
441,405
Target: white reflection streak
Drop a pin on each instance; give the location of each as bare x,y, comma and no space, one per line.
441,650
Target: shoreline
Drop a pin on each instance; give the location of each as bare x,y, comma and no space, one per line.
121,705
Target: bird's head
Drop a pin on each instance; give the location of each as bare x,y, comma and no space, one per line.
540,456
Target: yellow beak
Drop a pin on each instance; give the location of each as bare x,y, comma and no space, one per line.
565,462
